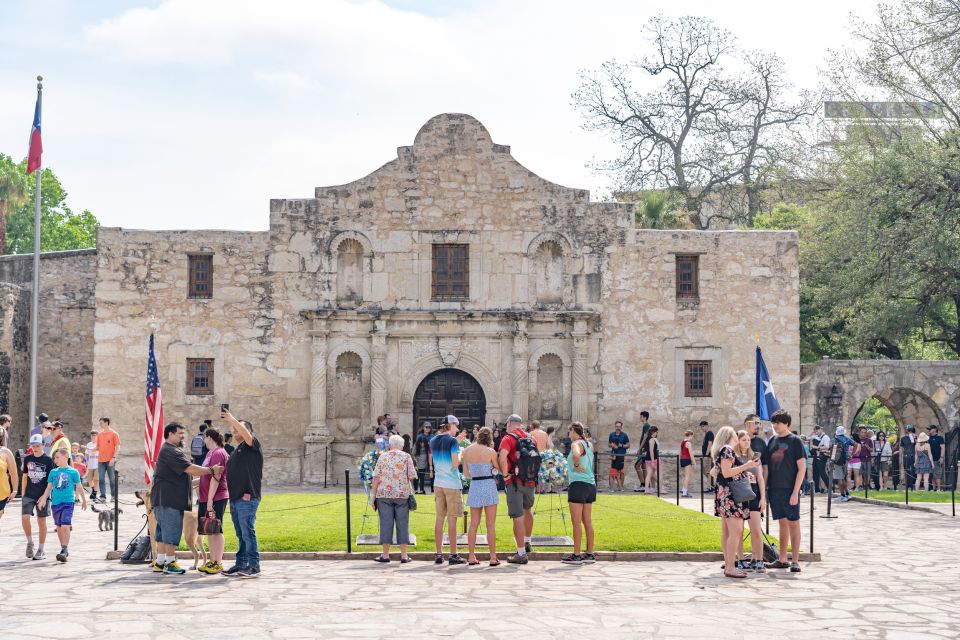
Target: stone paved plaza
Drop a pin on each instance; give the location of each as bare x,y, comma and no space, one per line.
886,573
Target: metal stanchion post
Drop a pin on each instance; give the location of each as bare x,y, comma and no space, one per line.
701,485
811,521
346,491
829,513
656,470
906,490
116,509
767,517
678,479
326,453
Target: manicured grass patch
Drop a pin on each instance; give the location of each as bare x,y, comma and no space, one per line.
317,522
898,496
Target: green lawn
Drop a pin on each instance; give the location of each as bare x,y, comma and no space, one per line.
898,496
304,522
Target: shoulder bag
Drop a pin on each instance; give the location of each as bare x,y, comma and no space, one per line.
411,500
740,489
210,524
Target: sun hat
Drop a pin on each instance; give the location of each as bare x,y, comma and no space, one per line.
923,437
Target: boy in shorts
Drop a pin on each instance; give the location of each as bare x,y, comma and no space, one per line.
35,467
63,484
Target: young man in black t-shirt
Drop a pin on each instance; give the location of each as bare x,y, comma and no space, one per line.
784,467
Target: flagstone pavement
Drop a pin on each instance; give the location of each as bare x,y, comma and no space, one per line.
886,573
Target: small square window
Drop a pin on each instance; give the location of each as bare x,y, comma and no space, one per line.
201,276
199,376
451,272
698,378
688,277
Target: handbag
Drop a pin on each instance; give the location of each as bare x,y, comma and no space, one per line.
210,524
411,501
741,491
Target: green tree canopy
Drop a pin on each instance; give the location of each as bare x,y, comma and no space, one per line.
61,228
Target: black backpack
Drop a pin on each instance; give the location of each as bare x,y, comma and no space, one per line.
137,552
840,454
528,459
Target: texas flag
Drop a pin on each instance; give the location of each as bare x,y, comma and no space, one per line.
36,144
767,403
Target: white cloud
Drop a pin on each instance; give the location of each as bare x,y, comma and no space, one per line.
194,114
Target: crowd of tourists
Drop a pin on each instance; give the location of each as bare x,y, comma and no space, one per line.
50,476
507,460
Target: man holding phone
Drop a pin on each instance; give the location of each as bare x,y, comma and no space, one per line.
244,480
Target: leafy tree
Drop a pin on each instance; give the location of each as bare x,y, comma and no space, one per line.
712,137
61,228
875,415
660,210
13,193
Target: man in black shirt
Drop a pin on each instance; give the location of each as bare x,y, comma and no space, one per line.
908,455
705,464
936,451
245,475
784,467
35,467
751,424
172,494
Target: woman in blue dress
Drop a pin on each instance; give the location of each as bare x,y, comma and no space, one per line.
480,465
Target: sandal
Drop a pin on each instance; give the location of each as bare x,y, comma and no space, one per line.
735,574
473,562
495,563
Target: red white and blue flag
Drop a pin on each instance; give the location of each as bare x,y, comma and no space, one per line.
153,426
36,144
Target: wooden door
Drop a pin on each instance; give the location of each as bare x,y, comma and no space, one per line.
449,392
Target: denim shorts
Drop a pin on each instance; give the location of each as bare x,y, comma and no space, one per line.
780,507
169,525
63,514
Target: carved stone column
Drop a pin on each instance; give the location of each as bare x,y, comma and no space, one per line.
317,437
521,380
580,349
378,383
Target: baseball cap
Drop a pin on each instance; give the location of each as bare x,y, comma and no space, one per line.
43,418
840,430
426,423
452,420
36,439
514,418
910,427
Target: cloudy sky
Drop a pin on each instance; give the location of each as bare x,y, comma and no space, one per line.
194,113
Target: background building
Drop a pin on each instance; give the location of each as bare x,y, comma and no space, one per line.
450,280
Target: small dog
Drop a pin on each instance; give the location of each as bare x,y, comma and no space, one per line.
106,517
190,535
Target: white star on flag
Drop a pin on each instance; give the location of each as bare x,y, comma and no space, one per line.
768,389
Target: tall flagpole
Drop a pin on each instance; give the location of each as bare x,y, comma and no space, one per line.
35,305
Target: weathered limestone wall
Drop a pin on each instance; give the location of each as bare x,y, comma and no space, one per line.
142,278
749,291
65,356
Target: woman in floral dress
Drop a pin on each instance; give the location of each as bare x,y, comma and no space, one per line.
731,513
390,490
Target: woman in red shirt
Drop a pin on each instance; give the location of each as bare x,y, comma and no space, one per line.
686,462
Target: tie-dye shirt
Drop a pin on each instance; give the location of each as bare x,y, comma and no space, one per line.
442,448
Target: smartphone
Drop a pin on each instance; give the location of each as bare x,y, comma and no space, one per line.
224,407
756,455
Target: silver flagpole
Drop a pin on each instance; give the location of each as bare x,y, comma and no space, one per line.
35,303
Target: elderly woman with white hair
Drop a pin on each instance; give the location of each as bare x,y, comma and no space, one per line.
391,492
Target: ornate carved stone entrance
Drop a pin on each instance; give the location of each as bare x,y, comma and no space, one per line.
445,392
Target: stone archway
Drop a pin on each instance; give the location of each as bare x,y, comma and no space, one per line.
449,392
921,393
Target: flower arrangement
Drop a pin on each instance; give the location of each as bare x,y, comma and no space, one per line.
365,467
553,468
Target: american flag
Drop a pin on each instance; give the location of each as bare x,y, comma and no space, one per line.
153,426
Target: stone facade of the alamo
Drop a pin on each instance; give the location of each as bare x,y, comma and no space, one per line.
452,279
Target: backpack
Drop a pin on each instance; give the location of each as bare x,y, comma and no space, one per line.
196,445
137,552
528,459
839,455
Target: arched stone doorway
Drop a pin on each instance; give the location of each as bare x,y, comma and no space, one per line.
909,406
449,392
